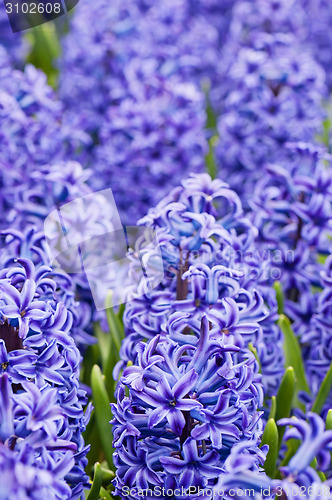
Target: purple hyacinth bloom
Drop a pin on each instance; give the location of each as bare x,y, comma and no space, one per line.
277,16
30,422
192,469
170,403
19,305
23,477
13,44
36,143
193,401
315,442
137,469
292,208
18,363
243,473
211,267
155,134
6,409
318,22
217,423
40,369
138,89
271,97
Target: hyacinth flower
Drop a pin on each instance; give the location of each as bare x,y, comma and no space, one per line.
313,442
139,92
271,97
30,245
38,176
250,18
36,143
34,459
318,21
244,475
184,44
187,467
293,211
154,134
12,43
40,375
312,322
195,401
210,267
299,479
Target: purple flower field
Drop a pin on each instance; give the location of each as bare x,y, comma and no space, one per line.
165,251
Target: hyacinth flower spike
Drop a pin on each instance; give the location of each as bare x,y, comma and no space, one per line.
315,442
170,403
192,468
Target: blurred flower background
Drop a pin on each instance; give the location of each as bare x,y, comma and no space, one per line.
210,121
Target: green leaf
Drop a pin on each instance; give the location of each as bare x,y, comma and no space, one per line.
211,117
121,311
110,383
210,159
91,436
321,258
114,323
284,399
280,296
328,424
323,392
104,342
97,482
254,351
104,495
271,438
45,49
108,475
116,336
273,408
103,413
293,356
326,132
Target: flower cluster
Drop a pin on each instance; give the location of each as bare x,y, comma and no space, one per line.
15,47
184,384
300,479
263,16
42,416
188,404
138,89
210,267
34,138
34,460
153,135
319,18
293,211
149,95
312,321
272,97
